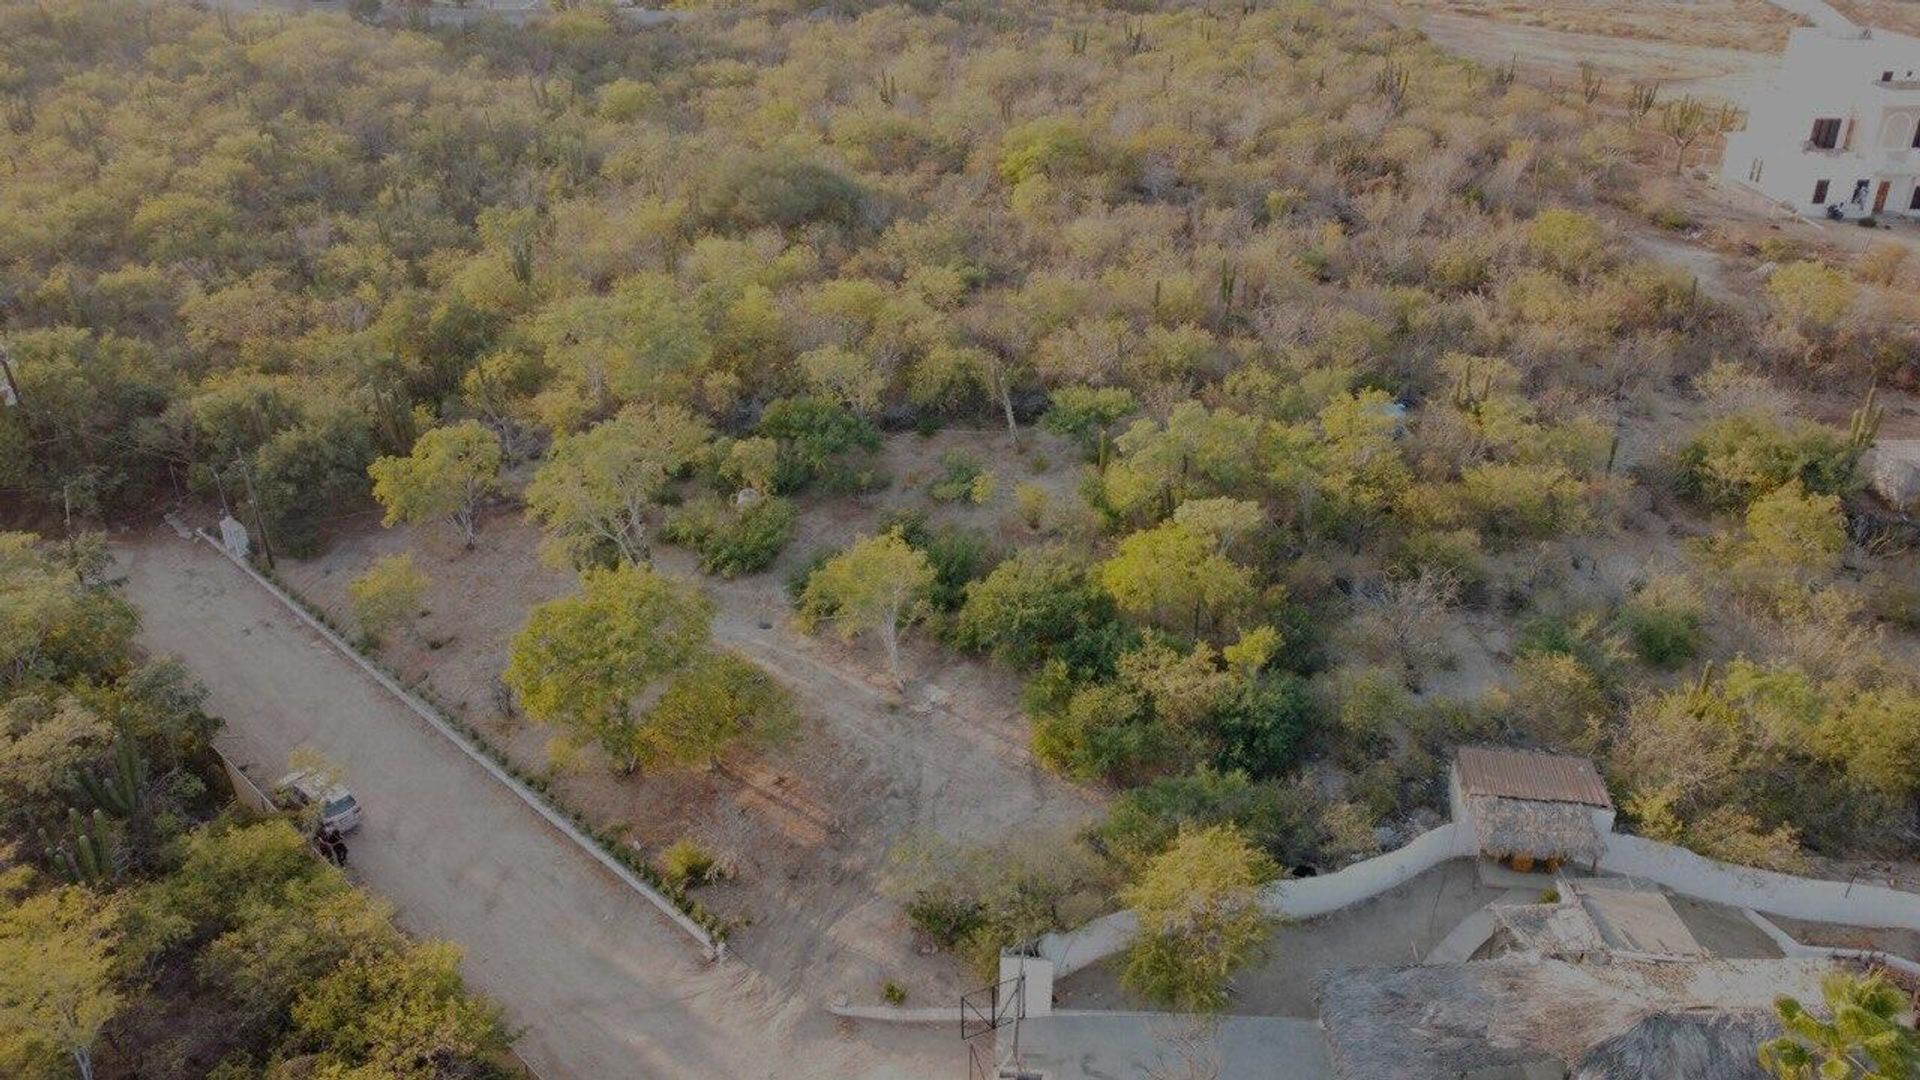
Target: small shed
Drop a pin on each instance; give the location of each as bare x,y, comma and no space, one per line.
1531,809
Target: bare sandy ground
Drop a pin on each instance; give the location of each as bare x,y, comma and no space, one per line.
1734,24
601,984
1900,15
1544,54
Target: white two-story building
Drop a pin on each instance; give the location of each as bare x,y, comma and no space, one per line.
1838,125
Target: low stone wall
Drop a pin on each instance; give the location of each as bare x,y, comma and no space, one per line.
714,946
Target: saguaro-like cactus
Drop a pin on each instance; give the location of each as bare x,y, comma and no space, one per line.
123,790
1864,426
84,855
1392,83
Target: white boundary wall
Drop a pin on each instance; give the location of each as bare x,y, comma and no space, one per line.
1303,898
1295,898
1855,904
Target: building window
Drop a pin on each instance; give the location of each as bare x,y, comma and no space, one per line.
1754,171
1820,191
1914,203
1826,133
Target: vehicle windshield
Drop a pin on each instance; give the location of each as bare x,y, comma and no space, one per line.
339,806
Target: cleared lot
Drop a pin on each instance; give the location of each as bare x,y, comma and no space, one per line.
603,986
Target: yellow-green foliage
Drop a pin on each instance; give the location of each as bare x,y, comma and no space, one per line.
387,594
1810,295
1200,918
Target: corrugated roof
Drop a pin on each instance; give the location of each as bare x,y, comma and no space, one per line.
1529,774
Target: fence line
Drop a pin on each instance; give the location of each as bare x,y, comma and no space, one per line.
1814,900
714,948
1293,898
244,789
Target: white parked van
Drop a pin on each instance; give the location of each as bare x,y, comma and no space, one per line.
338,807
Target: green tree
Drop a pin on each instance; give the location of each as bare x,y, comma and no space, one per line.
1030,607
1087,414
876,586
753,463
1811,304
1098,731
1262,724
1198,903
56,975
719,702
586,662
813,434
1733,460
640,342
1791,540
1174,576
53,624
1364,471
1227,521
1197,452
845,376
594,491
1875,734
386,595
1566,240
403,1013
449,471
1862,1038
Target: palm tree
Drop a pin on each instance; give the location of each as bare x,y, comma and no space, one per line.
1864,1040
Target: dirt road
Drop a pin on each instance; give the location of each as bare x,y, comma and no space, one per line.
1543,54
603,987
810,830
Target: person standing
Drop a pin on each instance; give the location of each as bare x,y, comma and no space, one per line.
332,845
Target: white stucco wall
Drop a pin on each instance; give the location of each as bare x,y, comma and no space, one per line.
1293,898
1630,856
1684,872
1833,73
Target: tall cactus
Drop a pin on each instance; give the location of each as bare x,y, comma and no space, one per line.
1864,426
84,855
123,790
1392,83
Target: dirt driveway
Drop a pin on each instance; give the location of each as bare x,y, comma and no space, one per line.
602,985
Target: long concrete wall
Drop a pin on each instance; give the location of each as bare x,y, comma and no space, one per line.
1294,898
1303,898
1849,904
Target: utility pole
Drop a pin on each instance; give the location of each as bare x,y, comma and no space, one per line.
13,386
253,500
